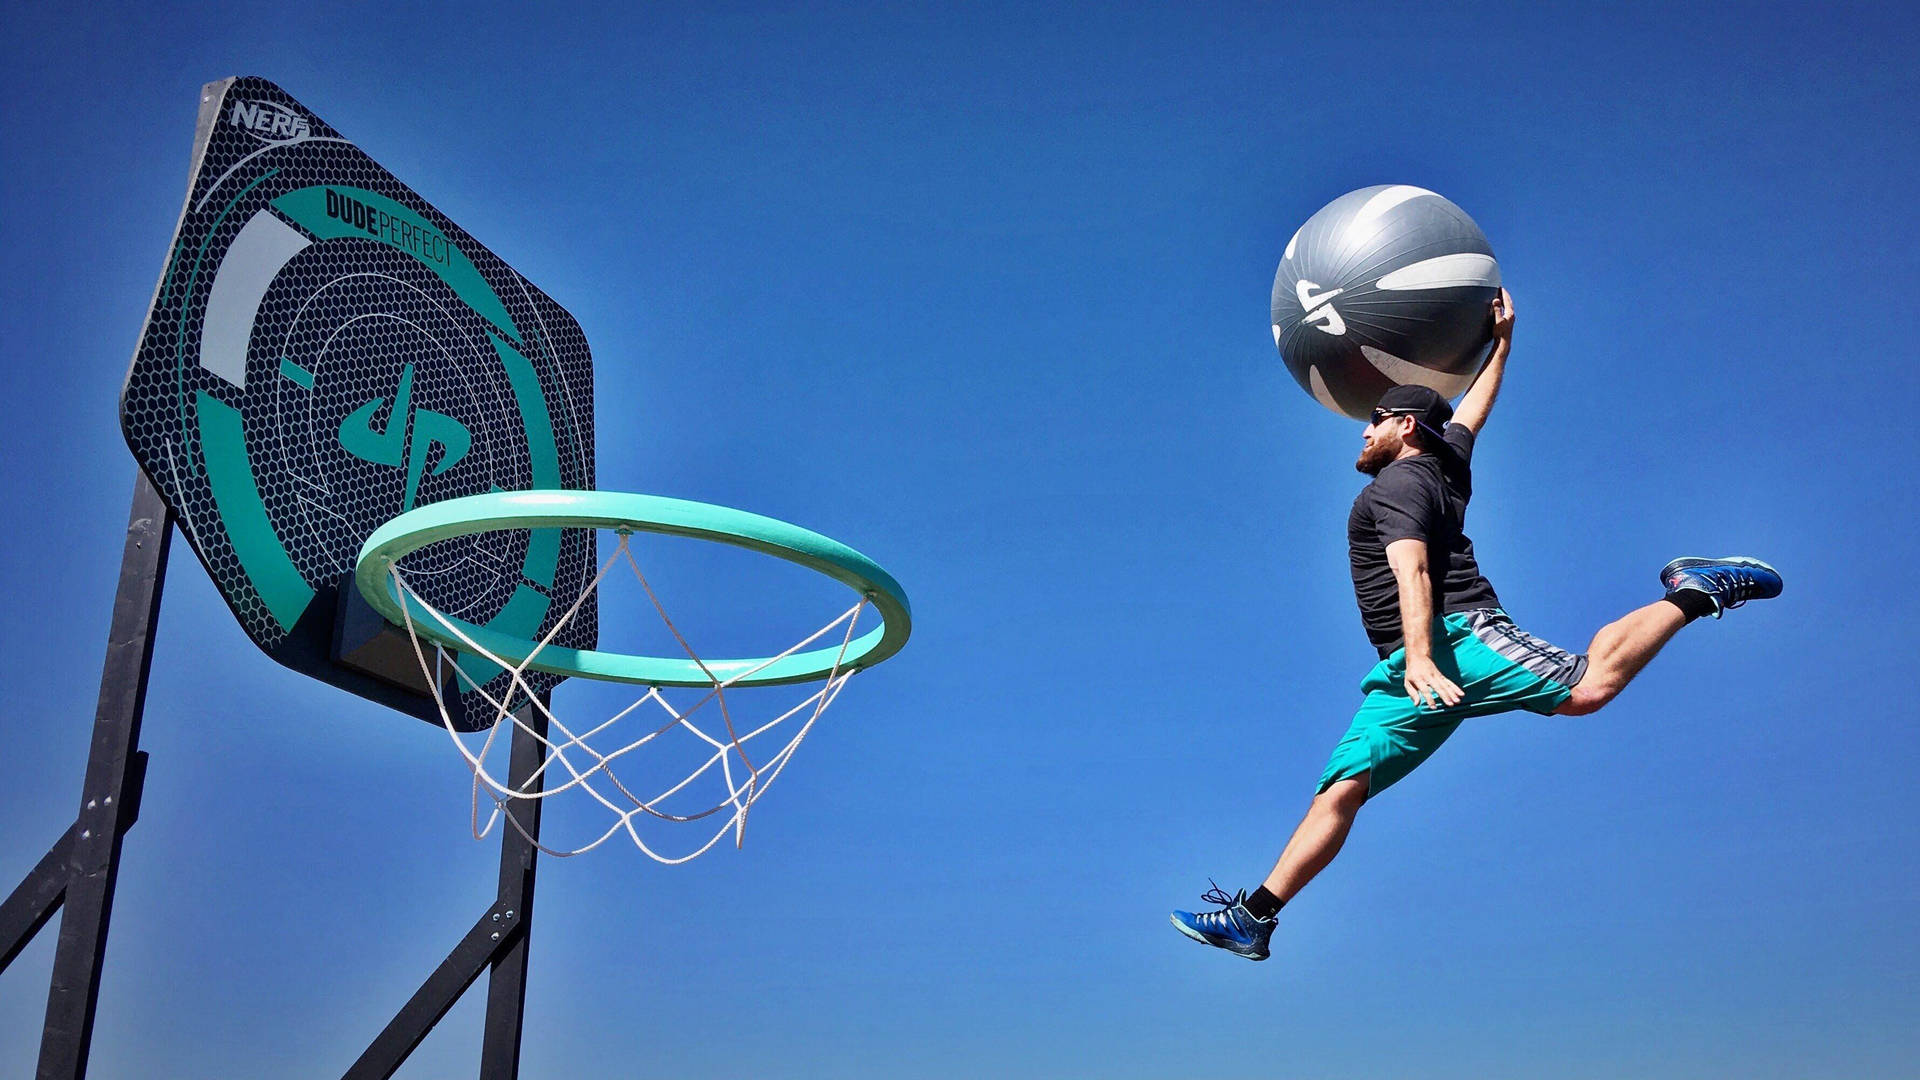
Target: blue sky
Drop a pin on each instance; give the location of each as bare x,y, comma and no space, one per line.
983,292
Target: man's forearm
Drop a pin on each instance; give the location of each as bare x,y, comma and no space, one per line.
1416,613
1478,404
1425,682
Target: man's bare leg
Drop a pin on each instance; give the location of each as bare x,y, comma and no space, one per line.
1619,651
1244,925
1318,838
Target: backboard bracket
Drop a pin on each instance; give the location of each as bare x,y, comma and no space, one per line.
365,642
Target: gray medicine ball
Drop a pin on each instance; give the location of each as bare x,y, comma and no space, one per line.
1384,286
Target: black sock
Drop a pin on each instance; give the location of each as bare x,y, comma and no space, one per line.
1692,603
1262,904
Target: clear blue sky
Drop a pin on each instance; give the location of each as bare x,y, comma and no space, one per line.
984,293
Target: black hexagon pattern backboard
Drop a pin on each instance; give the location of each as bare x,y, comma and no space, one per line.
325,350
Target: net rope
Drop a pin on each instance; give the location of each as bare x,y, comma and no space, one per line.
571,756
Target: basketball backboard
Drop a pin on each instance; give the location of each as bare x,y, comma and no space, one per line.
326,350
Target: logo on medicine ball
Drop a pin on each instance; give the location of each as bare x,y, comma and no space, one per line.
1319,307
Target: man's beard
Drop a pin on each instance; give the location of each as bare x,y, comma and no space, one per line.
1375,456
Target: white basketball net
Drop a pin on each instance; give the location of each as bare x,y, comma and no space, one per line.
587,757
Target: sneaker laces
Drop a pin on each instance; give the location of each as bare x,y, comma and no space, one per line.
1226,918
1217,895
1737,584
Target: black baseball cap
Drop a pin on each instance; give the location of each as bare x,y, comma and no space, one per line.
1427,406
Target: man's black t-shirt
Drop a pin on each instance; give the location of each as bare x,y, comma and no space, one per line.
1421,498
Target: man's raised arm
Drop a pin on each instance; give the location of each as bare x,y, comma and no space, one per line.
1473,410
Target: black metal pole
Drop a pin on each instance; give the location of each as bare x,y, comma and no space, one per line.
110,794
498,939
519,858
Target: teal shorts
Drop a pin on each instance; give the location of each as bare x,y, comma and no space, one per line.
1496,664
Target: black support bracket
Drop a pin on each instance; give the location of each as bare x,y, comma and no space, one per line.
498,941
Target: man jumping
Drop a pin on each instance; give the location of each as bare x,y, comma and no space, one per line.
1447,650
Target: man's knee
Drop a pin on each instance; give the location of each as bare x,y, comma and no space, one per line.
1587,697
1344,797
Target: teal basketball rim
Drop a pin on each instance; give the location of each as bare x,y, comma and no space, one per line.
625,513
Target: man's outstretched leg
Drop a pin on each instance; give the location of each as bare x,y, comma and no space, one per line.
1315,842
1244,923
1695,587
1619,651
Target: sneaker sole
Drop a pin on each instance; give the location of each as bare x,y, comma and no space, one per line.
1196,935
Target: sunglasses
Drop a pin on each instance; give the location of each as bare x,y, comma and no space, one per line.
1382,414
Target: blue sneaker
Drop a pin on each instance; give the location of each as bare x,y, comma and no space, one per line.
1232,928
1727,582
